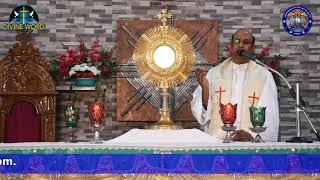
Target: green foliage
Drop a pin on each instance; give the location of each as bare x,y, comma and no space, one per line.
72,96
100,91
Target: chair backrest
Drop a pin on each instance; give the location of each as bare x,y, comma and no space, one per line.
22,124
25,78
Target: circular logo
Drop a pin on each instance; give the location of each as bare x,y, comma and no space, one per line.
297,20
23,14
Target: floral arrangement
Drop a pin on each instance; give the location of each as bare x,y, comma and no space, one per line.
80,71
273,62
84,62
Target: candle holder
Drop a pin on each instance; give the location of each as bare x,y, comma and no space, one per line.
228,128
71,114
70,135
258,129
228,115
96,114
257,118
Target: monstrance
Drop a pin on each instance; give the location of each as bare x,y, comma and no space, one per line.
164,57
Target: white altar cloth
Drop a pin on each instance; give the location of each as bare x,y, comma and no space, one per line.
163,140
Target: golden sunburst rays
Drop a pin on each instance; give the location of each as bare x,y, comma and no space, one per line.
184,56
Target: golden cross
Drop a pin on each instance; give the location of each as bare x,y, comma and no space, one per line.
23,15
164,15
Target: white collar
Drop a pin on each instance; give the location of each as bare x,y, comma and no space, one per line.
239,66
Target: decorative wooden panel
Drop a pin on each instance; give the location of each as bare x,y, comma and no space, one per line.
24,76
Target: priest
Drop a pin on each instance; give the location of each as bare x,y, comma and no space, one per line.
237,80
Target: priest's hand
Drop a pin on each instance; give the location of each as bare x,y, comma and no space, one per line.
201,78
204,83
241,135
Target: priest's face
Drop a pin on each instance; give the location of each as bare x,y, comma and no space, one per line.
242,39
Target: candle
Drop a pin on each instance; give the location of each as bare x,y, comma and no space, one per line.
228,113
71,116
257,115
96,112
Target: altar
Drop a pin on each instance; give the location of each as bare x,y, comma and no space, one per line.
170,153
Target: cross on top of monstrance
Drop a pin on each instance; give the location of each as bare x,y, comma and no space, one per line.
164,57
164,15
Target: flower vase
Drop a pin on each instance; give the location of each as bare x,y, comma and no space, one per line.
96,115
86,82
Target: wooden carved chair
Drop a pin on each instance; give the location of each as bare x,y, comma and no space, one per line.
25,81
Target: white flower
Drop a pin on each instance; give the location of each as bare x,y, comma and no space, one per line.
82,68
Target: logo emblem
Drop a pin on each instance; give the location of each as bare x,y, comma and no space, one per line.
23,17
297,20
23,14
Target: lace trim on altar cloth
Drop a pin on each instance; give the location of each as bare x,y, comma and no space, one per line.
162,140
213,147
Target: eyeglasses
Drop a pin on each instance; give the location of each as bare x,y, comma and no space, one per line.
244,41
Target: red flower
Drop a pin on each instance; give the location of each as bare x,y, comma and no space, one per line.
70,51
81,55
108,55
95,44
63,71
72,55
62,56
265,51
96,51
104,70
94,57
82,46
272,63
72,61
